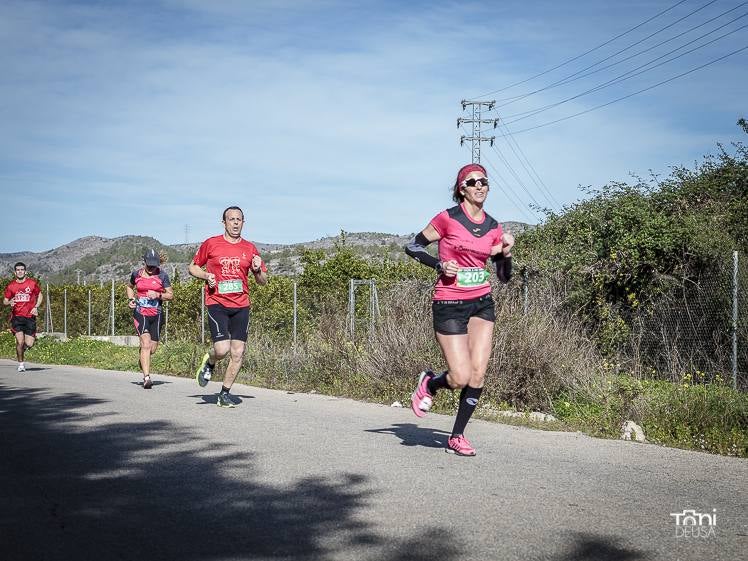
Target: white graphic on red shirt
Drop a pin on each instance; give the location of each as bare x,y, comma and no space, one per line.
24,296
230,267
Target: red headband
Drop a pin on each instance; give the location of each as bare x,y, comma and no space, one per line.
465,170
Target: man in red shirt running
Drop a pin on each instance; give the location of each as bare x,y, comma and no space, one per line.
24,296
224,263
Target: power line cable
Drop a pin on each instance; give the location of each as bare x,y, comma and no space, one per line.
516,176
539,183
580,74
529,174
507,190
523,208
622,77
519,181
609,41
634,93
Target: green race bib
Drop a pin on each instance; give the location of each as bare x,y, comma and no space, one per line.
472,276
229,286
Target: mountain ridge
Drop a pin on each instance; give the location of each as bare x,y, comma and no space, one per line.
95,259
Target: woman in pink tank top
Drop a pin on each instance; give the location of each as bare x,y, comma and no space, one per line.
463,309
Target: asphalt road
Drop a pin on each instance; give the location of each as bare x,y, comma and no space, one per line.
94,467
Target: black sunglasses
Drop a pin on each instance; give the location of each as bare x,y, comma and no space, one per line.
472,182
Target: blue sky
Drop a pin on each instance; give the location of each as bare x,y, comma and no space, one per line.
316,116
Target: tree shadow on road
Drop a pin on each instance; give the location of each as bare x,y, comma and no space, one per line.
70,490
591,547
411,434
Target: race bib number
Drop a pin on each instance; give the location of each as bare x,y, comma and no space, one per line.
472,276
23,297
144,302
229,287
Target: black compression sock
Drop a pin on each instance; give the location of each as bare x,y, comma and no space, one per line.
468,401
436,383
224,389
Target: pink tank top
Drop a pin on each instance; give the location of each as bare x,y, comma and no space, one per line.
469,243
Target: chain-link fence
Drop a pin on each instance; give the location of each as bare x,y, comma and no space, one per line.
103,310
690,327
697,327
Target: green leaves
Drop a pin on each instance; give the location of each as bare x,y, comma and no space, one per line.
626,244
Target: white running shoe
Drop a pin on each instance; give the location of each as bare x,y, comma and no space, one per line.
21,367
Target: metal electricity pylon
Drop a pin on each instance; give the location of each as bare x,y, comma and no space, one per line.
476,138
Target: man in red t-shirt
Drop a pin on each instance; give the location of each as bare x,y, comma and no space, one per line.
24,296
224,263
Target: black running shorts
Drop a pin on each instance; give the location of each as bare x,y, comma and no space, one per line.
21,324
147,324
451,316
228,323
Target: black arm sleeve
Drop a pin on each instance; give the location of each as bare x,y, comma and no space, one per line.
503,267
417,250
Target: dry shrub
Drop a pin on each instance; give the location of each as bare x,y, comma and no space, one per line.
268,362
332,355
534,357
324,359
538,355
402,344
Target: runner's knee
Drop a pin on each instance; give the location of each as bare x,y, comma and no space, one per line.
459,377
221,349
237,354
477,379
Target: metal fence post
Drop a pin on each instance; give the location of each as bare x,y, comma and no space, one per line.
48,326
294,313
352,307
735,320
89,312
166,320
525,296
112,305
372,309
65,311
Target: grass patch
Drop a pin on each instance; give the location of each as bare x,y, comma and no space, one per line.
710,417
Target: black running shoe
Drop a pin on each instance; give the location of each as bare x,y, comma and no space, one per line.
225,400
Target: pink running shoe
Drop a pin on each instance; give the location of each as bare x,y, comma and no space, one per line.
422,399
460,445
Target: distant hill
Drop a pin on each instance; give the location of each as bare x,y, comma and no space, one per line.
94,259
